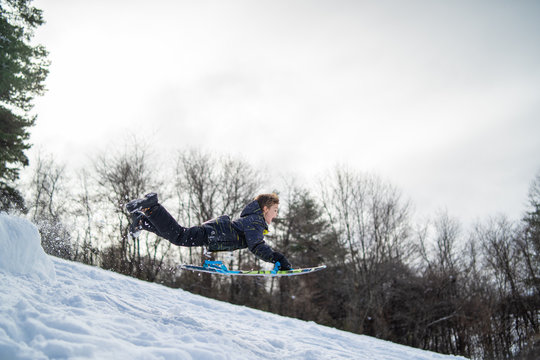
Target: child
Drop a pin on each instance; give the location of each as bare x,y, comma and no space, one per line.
220,234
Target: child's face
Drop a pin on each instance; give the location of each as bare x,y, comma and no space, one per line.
270,213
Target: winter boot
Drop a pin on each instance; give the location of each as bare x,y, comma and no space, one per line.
142,205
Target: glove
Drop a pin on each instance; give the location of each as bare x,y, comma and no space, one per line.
283,262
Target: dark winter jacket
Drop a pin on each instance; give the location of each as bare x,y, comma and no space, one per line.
246,232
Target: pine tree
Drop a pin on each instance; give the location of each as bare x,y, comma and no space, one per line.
531,243
23,69
308,240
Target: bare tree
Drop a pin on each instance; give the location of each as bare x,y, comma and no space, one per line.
85,209
237,185
439,244
444,274
121,177
372,221
47,203
196,186
503,257
209,186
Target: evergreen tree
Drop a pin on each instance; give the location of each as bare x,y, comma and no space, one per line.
531,241
23,69
308,240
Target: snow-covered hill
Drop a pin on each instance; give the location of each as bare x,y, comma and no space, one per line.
55,309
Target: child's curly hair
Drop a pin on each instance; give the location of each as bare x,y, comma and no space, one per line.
267,200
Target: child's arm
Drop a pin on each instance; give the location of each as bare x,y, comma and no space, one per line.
254,233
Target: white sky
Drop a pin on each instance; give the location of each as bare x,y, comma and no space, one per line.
441,98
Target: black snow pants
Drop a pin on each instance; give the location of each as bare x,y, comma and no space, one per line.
165,226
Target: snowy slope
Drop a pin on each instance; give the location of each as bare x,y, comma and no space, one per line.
55,309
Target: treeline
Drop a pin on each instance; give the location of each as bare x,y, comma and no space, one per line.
434,286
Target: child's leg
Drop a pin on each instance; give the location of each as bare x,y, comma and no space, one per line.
147,225
193,236
165,225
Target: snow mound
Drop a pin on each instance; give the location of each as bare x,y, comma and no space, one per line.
21,251
93,314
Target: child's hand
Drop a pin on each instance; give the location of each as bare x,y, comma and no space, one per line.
283,262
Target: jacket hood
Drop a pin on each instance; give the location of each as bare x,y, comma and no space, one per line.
252,208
